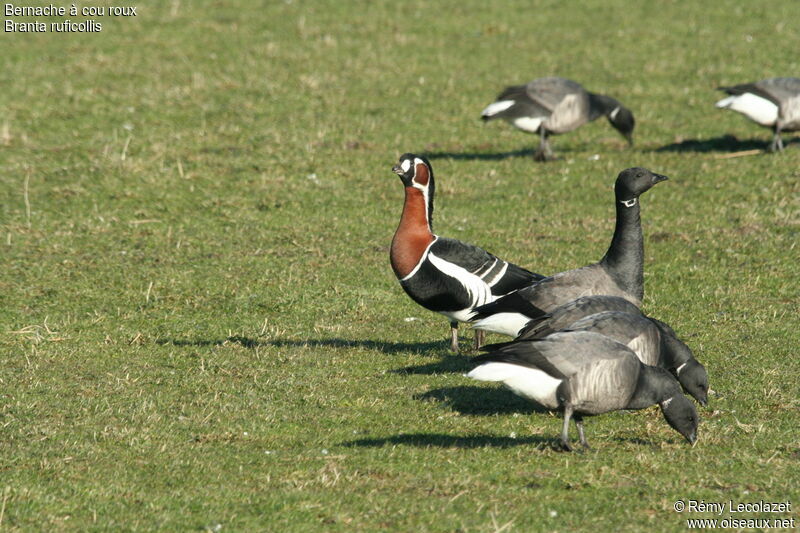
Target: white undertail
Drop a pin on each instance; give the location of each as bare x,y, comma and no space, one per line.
758,109
503,323
530,383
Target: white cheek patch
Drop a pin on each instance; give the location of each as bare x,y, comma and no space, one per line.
405,165
678,370
613,114
421,186
666,403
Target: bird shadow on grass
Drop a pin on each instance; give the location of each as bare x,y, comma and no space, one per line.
724,143
440,440
248,342
482,156
450,364
484,401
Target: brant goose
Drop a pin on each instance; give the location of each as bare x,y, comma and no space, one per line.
581,374
619,273
440,274
678,359
773,103
619,319
565,315
550,106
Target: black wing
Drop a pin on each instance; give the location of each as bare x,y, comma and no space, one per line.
510,303
501,276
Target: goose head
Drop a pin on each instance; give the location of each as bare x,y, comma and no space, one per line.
415,171
621,118
632,182
681,415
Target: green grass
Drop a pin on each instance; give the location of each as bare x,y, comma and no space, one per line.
199,327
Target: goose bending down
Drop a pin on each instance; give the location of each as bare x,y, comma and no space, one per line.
550,106
581,374
653,342
440,274
773,103
619,273
565,315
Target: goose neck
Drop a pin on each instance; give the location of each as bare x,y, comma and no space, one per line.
654,385
601,105
625,256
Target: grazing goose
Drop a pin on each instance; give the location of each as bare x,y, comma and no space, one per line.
653,341
582,374
565,315
619,273
549,106
444,275
772,103
678,359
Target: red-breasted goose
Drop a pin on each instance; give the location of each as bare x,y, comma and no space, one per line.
619,273
773,103
440,274
581,374
550,106
653,341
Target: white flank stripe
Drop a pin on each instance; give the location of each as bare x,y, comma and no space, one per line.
530,124
479,292
497,107
530,383
498,277
485,270
503,323
759,110
421,260
640,347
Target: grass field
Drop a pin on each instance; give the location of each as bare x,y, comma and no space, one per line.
199,327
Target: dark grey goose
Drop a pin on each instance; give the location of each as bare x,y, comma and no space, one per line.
550,106
619,273
653,341
582,374
772,103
